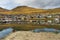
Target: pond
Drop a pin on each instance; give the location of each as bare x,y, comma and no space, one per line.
46,30
5,32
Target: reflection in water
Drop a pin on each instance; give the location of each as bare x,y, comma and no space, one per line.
5,32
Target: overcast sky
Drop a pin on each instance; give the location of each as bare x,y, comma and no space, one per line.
45,4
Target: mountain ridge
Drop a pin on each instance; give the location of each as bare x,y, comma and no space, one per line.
28,10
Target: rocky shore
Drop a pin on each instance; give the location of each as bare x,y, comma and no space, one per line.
29,35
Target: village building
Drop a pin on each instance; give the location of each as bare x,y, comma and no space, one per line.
32,18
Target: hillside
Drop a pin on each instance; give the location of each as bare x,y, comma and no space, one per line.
27,10
3,10
56,10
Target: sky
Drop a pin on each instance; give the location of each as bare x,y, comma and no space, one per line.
44,4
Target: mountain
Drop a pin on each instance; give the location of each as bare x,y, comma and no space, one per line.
56,10
27,10
3,10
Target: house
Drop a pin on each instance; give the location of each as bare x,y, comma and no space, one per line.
30,18
49,22
49,16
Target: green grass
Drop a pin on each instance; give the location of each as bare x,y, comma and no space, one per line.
27,26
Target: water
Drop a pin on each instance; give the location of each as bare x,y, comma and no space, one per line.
5,32
46,30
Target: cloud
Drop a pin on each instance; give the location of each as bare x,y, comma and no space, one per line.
3,1
45,4
7,4
39,3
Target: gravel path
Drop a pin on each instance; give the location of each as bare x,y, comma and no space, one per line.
28,35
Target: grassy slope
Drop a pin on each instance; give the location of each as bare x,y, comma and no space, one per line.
28,26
